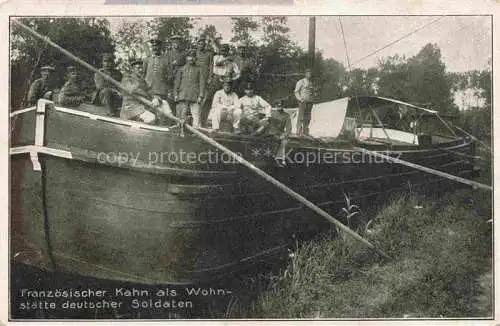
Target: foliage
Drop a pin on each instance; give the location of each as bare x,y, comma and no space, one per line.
209,31
440,265
473,88
166,27
279,58
87,38
130,43
242,28
331,78
420,80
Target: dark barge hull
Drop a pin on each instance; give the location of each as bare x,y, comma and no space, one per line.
175,221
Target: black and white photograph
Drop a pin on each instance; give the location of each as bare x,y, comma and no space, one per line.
255,167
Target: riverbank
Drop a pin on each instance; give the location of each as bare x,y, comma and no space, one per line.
440,266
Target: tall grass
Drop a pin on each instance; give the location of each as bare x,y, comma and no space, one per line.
440,266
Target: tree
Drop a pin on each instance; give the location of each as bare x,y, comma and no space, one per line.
209,31
130,43
359,82
428,80
279,60
421,80
242,28
166,27
87,38
394,78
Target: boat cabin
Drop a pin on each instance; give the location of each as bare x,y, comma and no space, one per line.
377,120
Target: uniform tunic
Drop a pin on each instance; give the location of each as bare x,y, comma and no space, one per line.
158,74
222,101
137,85
107,95
176,59
189,84
280,123
71,94
223,68
252,106
204,60
304,90
38,89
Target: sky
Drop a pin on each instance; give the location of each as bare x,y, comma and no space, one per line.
465,41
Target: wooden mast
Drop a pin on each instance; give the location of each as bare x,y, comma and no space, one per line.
312,41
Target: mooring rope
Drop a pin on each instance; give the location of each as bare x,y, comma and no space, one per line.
426,169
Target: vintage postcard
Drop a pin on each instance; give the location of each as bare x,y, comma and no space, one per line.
287,165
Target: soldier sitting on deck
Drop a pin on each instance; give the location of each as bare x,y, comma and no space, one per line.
43,87
107,95
71,93
280,126
132,107
252,114
225,101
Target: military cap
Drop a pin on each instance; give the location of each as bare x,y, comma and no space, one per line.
191,53
71,69
242,46
308,70
135,61
201,39
227,81
175,37
48,67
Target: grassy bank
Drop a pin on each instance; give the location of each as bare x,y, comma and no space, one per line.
440,266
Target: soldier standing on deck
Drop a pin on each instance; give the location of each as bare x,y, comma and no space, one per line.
204,60
43,87
304,93
158,71
176,56
189,89
246,66
107,95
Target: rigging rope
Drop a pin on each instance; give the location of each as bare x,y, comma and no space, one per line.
399,39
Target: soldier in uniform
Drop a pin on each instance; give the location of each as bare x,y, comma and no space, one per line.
132,108
71,94
107,95
224,67
280,125
43,87
189,89
224,103
159,72
176,56
246,66
204,60
157,69
304,93
252,113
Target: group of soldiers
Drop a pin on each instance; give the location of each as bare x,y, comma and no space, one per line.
204,83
